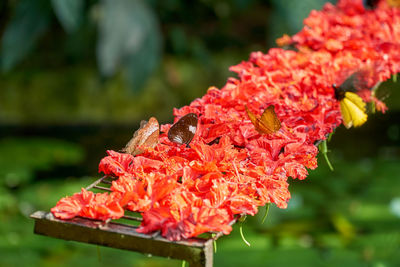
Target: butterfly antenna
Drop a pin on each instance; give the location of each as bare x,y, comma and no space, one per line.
375,88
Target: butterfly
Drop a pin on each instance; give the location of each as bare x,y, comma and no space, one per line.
372,4
393,3
268,123
352,106
145,136
183,131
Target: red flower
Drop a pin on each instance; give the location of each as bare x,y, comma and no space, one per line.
88,204
230,168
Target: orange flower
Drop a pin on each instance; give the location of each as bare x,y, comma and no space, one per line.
230,168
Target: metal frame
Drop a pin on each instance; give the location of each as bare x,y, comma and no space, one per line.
198,252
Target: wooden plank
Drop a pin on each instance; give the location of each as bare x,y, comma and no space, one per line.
196,251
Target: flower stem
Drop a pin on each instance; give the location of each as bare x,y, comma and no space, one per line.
266,212
328,162
214,243
241,234
323,148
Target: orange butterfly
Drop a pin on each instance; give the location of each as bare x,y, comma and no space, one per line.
268,123
372,4
145,136
393,3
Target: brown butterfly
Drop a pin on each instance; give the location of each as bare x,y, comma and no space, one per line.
145,136
183,131
370,4
268,123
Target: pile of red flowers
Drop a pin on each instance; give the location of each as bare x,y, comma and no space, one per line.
230,168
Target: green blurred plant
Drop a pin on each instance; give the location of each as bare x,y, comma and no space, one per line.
20,158
125,36
129,38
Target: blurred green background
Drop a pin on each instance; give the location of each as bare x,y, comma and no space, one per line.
77,77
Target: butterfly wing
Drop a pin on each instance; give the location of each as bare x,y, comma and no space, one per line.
393,3
269,120
370,4
356,100
352,106
268,123
344,110
146,136
350,84
353,110
252,117
183,131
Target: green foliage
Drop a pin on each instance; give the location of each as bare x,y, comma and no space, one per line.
69,13
128,30
129,37
22,157
28,24
73,95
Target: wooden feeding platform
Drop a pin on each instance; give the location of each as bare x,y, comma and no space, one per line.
121,234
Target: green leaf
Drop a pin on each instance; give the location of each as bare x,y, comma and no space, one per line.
129,38
69,13
29,22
